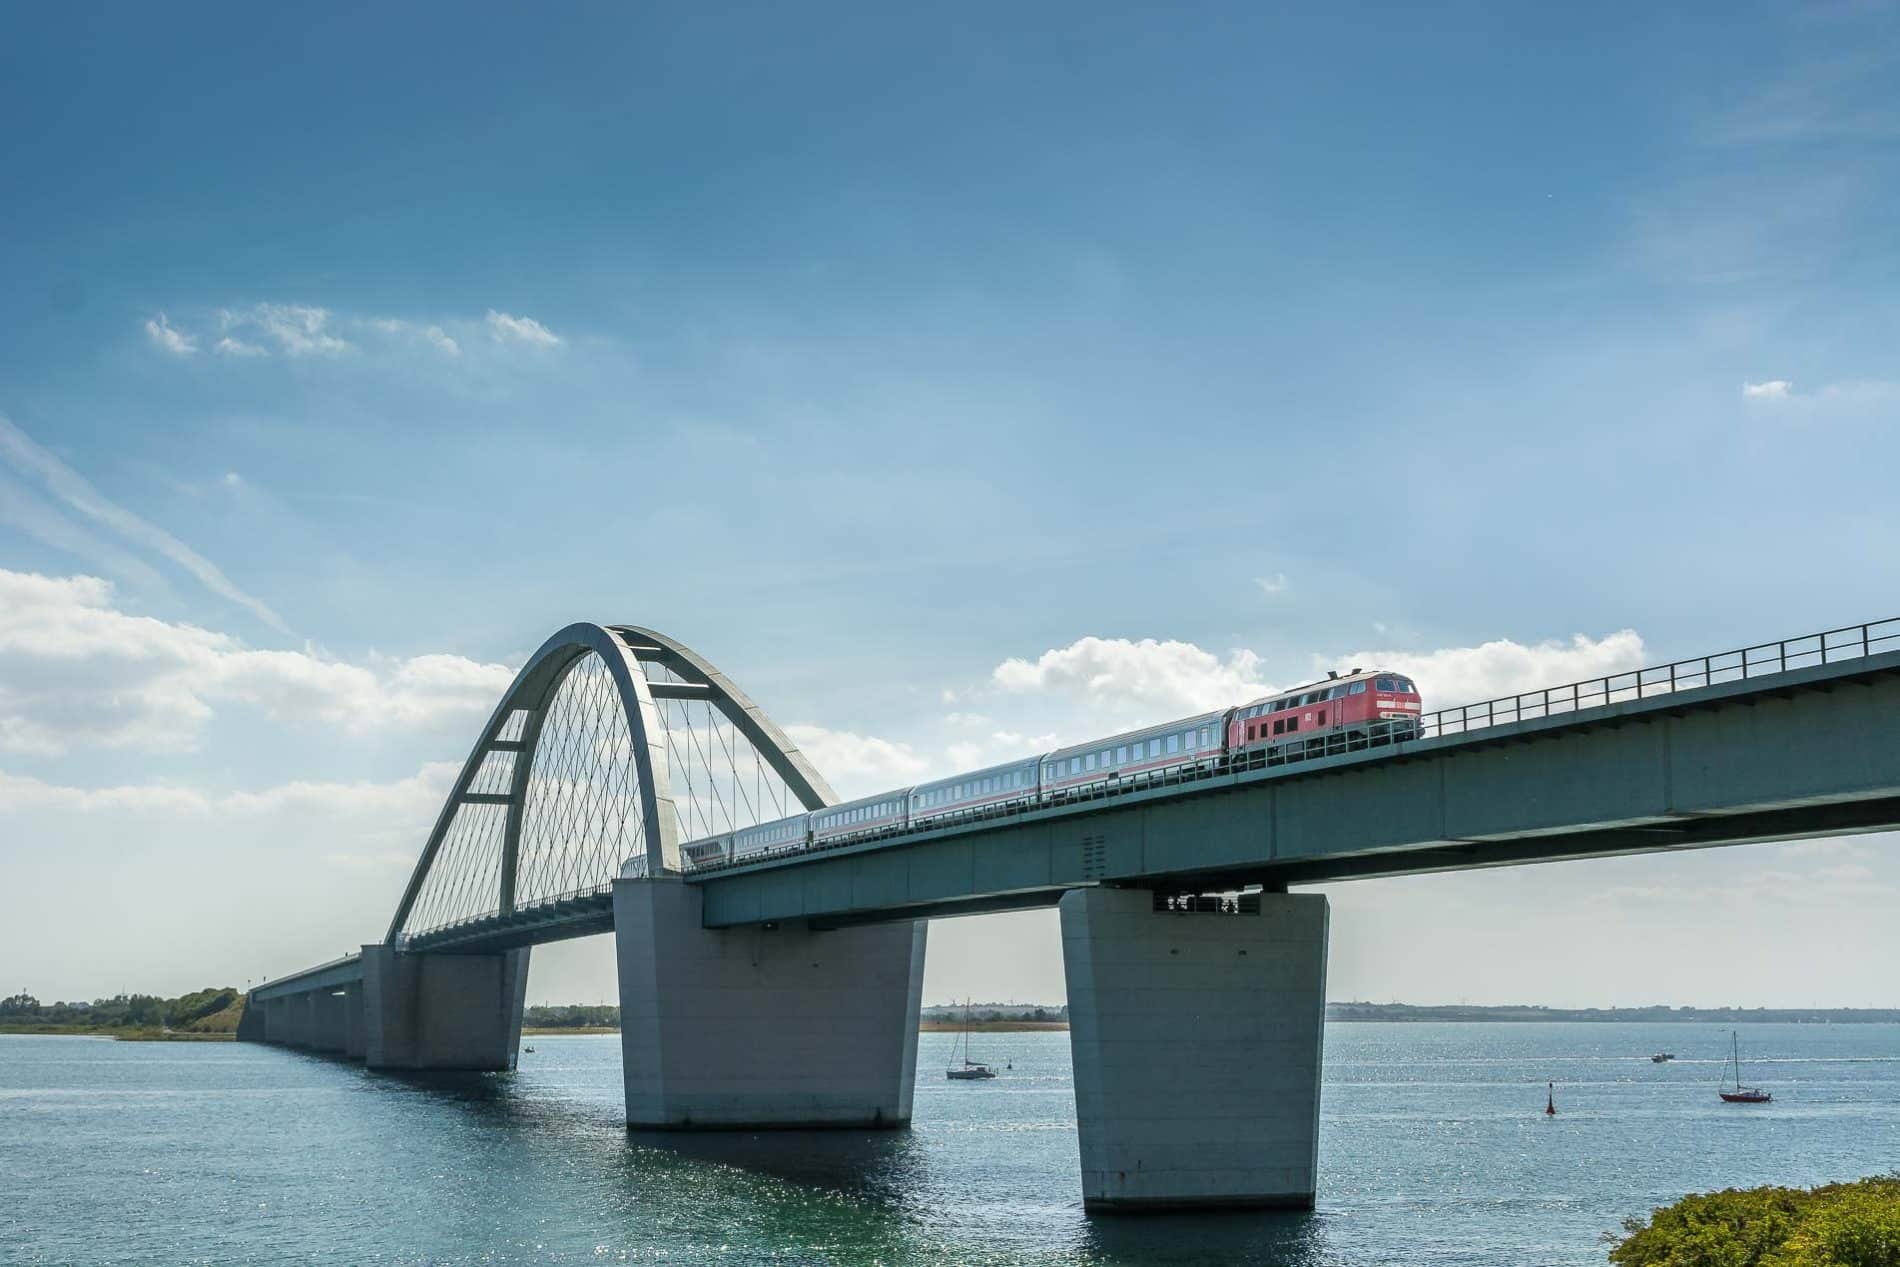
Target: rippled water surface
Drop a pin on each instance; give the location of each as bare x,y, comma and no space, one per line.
1434,1149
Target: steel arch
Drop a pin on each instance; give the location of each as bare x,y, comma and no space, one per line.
623,649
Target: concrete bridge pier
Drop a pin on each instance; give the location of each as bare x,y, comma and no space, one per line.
332,1023
443,1013
772,1026
1196,1040
355,1023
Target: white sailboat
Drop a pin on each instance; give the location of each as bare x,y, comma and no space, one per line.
967,1070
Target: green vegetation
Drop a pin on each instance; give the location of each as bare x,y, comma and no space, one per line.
572,1016
210,1013
1838,1225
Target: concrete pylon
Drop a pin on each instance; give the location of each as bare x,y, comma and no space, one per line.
1196,1040
762,1027
443,1012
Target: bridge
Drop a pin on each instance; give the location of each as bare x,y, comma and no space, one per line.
782,989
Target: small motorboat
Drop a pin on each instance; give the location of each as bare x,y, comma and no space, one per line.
1741,1094
1662,1057
529,1050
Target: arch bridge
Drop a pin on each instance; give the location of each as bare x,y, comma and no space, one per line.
783,988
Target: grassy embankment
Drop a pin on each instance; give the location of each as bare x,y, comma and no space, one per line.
209,1015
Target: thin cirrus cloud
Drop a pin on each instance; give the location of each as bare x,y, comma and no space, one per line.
300,331
70,490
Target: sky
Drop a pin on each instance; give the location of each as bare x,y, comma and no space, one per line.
961,382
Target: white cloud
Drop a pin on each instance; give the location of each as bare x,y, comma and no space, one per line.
1461,675
502,326
173,340
228,346
433,335
20,451
1773,389
1271,585
296,329
1155,679
76,671
1149,675
863,763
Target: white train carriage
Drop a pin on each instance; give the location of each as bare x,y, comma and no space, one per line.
708,851
861,817
980,789
779,834
1176,744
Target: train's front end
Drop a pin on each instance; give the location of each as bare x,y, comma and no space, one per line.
1395,707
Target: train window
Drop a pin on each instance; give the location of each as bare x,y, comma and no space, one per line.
1207,736
1075,765
1322,718
1174,743
1387,684
1405,684
1088,761
1279,726
1357,688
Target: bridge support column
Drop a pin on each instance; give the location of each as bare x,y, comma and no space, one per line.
276,1020
762,1027
354,1022
443,1012
303,1020
1196,1041
331,1026
251,1025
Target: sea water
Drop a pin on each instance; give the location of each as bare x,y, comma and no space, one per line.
1434,1148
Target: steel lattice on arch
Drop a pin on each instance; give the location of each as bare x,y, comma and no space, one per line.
612,746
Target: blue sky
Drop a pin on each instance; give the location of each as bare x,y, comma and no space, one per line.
870,350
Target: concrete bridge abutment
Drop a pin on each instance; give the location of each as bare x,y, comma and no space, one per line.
1196,1041
772,1026
444,1013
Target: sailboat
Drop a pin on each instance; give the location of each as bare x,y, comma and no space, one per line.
967,1070
1741,1094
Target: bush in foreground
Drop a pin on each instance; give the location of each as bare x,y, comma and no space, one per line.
1837,1225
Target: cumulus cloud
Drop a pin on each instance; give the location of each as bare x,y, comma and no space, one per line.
863,763
1156,679
1153,675
19,451
77,671
295,329
504,327
228,346
433,335
1461,675
165,335
1271,585
1847,398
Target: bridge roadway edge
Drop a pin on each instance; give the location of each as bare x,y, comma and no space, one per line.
1814,751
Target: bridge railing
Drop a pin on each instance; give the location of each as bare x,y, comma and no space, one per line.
1830,646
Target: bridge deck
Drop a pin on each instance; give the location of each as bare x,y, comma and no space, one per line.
1769,757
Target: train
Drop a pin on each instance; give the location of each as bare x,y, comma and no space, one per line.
1375,706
